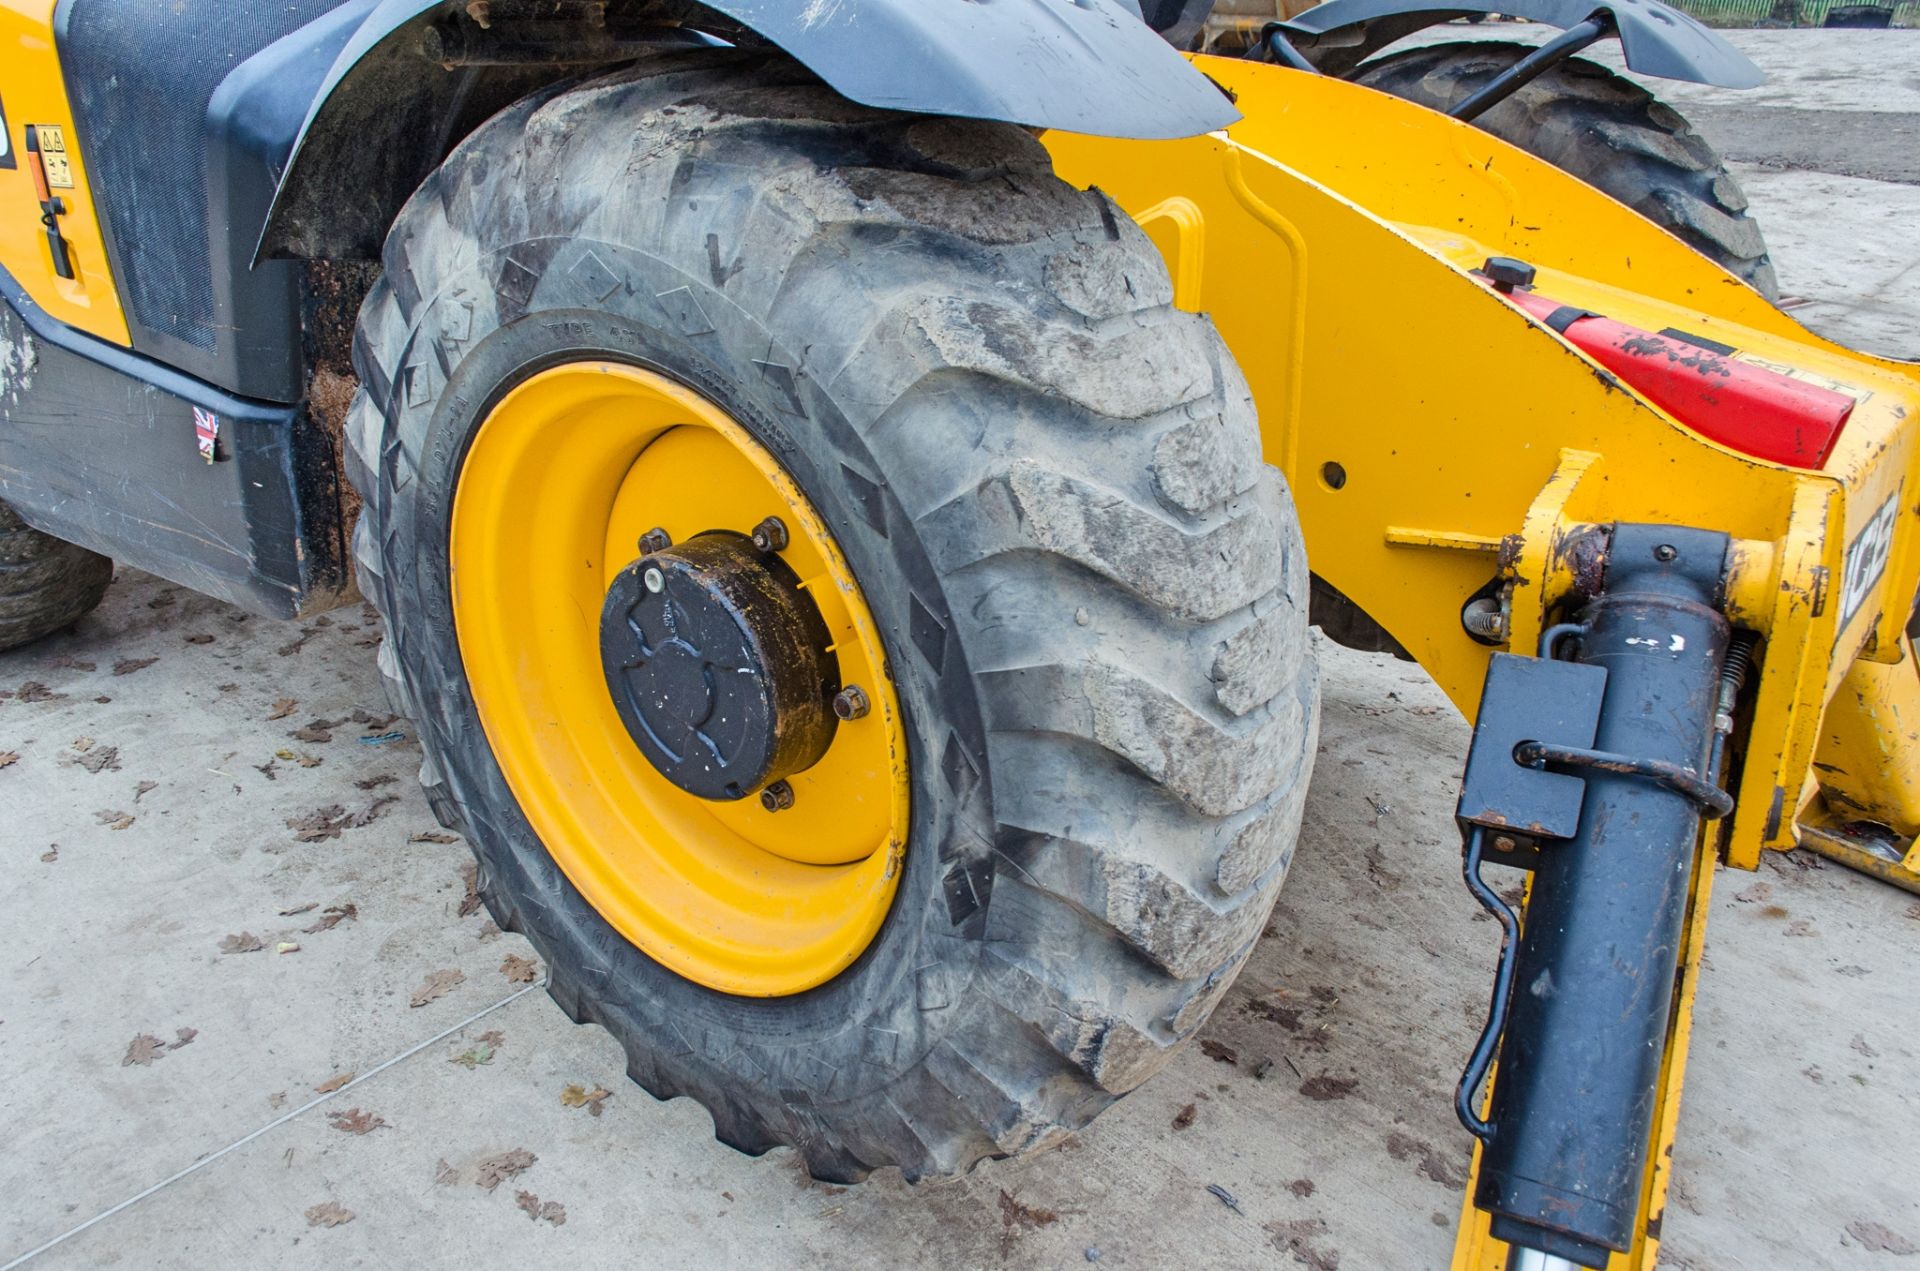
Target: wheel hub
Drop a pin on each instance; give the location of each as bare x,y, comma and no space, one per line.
719,666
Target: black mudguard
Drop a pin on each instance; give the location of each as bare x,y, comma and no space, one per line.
1657,39
1091,66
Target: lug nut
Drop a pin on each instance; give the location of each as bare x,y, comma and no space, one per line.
655,581
851,703
771,535
777,797
655,540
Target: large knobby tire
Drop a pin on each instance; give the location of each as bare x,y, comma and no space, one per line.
1604,129
1047,482
46,583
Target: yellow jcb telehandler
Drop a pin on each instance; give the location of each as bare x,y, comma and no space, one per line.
847,482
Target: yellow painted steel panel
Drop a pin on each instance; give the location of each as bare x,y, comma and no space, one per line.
33,94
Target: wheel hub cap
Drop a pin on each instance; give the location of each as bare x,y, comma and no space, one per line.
719,666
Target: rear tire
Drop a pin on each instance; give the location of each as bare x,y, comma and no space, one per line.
46,583
1604,129
1047,482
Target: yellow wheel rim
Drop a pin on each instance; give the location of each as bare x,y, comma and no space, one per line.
562,479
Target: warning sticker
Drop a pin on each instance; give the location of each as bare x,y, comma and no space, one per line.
53,156
1858,395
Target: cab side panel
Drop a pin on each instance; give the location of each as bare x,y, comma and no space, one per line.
187,113
32,94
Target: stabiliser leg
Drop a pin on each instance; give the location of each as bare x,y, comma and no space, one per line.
1594,774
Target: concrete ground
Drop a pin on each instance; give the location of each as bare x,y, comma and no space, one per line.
192,782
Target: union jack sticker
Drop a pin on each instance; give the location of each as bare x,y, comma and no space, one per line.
206,431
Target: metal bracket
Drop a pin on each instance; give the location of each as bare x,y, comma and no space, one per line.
1530,700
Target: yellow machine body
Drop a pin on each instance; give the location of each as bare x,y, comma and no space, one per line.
35,96
1438,439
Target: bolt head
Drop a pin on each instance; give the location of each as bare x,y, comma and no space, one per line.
777,797
1665,552
851,703
655,540
771,535
654,581
1505,843
1506,273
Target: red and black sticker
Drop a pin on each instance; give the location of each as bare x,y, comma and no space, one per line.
6,141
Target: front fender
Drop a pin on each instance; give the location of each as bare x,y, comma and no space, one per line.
1092,66
1657,39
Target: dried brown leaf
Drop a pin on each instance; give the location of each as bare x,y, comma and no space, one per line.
360,820
114,819
244,942
552,1211
374,783
1014,1215
283,708
333,1084
318,825
437,986
433,836
1219,1052
200,638
581,1097
332,917
444,1174
470,875
328,1215
182,1037
8,758
496,1170
355,1121
1185,1116
290,910
143,1050
1325,1088
313,733
94,760
1880,1239
35,691
127,666
519,970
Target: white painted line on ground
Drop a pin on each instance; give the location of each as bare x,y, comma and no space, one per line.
205,1161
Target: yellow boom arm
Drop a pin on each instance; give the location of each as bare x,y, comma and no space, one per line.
1442,445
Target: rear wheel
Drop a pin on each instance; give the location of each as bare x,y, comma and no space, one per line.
696,398
1604,129
45,583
